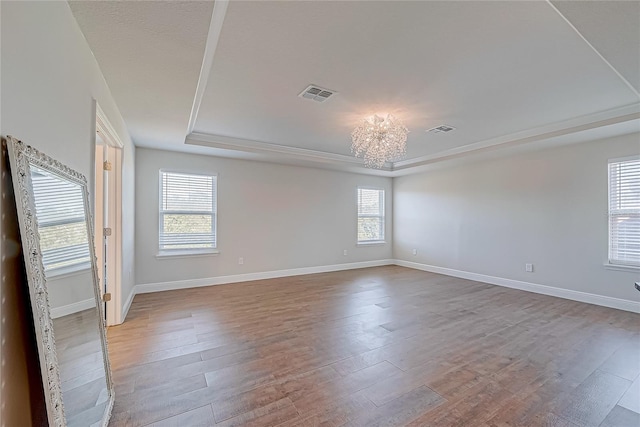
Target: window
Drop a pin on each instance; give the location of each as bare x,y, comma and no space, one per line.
624,212
370,215
61,223
187,212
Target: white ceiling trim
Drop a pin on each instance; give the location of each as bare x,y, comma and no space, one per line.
626,82
276,152
591,121
215,28
294,155
257,147
104,127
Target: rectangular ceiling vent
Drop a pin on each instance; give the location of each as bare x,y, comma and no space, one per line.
441,129
317,93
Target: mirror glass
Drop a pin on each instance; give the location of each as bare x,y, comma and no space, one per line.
68,314
64,242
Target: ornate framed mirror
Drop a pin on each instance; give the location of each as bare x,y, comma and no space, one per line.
58,246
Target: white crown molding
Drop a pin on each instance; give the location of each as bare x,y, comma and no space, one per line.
213,36
295,155
618,303
578,124
281,152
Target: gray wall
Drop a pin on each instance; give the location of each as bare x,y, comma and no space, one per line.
70,289
49,79
546,207
276,217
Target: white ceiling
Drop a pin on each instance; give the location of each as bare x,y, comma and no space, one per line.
612,28
150,53
500,72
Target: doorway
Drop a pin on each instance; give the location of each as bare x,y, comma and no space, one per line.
108,215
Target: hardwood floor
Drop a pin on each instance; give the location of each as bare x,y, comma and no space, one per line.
384,346
81,363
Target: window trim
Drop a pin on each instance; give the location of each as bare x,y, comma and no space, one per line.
382,216
612,264
187,252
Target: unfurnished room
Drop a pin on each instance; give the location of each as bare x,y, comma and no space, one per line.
320,213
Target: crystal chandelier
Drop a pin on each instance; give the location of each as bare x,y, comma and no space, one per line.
379,140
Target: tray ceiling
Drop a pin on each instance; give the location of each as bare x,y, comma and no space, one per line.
499,72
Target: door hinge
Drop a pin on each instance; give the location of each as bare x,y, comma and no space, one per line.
106,165
106,297
106,232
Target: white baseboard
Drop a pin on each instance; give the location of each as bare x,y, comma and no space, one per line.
221,280
73,308
620,304
127,305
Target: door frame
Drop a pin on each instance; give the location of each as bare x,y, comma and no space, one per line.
114,249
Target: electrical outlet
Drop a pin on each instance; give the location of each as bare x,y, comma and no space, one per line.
344,252
240,260
528,268
415,252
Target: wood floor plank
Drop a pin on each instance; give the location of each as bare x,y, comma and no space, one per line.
631,398
625,362
475,406
335,413
248,401
272,414
377,346
592,401
199,417
400,411
621,417
330,391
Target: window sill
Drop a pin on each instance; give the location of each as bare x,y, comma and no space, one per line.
622,267
186,254
374,243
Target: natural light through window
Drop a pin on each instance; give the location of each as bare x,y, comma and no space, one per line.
187,212
624,212
61,223
370,215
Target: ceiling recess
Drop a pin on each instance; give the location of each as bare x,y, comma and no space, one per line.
441,129
316,93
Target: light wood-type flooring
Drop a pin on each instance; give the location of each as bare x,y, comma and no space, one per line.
81,363
384,346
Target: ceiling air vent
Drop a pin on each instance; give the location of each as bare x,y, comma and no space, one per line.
441,129
316,93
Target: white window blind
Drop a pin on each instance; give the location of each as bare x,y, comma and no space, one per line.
624,212
61,223
187,212
370,215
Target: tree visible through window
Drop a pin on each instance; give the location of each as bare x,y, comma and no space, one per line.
370,215
61,223
624,212
187,212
